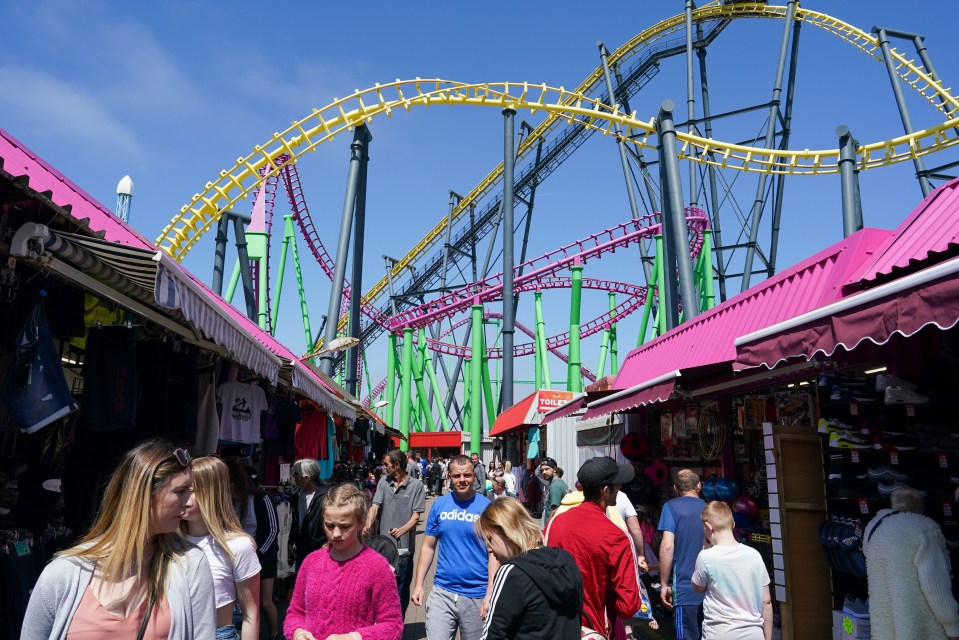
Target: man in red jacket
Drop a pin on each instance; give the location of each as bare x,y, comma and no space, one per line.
602,550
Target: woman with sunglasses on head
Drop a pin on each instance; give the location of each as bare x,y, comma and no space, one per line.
537,591
211,524
344,591
133,575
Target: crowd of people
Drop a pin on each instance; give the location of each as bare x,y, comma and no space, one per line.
175,553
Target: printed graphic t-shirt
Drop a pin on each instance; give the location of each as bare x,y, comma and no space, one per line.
734,577
243,403
462,564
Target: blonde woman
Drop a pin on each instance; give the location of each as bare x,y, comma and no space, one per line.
509,477
132,575
538,591
344,591
211,524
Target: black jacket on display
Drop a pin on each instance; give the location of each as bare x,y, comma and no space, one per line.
536,596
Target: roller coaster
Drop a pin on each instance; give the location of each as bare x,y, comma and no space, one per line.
415,297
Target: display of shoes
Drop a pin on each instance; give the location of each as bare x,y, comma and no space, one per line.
886,380
856,608
902,395
887,488
843,394
837,441
886,474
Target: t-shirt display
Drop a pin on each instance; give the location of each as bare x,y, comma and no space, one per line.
734,577
243,403
462,564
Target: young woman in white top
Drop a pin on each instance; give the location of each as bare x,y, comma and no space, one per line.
211,524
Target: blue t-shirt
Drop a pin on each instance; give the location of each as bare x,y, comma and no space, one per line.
463,561
682,517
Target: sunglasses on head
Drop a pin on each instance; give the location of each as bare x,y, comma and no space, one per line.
182,456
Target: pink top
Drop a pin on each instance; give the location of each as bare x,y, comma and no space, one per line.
92,622
339,597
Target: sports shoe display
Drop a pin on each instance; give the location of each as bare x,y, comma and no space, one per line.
902,395
885,474
837,441
856,608
842,394
886,380
887,489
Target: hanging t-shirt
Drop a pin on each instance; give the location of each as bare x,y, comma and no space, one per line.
734,577
243,404
463,561
310,438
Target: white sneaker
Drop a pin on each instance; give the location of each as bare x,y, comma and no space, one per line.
901,395
886,380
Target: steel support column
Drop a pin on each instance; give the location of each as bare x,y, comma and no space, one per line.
219,253
713,189
509,308
757,210
406,384
476,380
691,106
541,339
574,372
356,279
851,215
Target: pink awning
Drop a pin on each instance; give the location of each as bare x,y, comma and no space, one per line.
904,306
656,390
566,410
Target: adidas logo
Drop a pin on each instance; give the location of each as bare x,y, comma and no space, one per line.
459,515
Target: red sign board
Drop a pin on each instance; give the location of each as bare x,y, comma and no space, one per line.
549,400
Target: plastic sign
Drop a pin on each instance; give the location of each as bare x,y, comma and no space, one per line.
547,400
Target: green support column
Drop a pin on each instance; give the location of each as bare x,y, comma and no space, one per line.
434,384
651,294
660,289
607,344
467,397
406,383
391,379
574,376
708,287
541,340
476,381
278,289
256,248
426,416
234,281
613,347
304,309
487,386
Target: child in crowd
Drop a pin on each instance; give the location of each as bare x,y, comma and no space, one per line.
345,590
734,578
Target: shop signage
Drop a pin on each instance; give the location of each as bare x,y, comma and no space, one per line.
548,400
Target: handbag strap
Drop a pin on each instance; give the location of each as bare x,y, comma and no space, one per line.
146,616
879,522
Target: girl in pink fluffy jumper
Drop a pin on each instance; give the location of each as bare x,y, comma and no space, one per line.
344,591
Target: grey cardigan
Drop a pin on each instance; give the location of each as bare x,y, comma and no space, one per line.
60,588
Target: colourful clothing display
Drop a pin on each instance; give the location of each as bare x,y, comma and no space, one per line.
243,404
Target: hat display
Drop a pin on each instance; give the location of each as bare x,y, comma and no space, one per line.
549,462
598,472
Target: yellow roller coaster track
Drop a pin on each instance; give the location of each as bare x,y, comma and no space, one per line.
562,106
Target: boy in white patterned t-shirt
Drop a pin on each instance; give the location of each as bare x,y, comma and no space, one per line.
734,578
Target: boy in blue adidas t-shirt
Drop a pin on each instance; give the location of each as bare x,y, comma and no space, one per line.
464,570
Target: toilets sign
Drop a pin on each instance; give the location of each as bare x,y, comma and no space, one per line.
548,400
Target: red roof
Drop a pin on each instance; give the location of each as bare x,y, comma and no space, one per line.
529,411
444,439
931,228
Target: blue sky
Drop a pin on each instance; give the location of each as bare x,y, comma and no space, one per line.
173,92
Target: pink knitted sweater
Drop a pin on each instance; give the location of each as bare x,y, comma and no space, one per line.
339,597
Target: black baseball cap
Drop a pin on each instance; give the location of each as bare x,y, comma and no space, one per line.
599,472
549,462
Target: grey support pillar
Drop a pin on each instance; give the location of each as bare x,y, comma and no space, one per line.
757,210
676,227
851,208
621,145
713,190
219,253
356,279
360,138
246,277
509,307
883,38
691,105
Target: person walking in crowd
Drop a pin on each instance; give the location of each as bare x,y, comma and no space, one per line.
735,582
464,570
345,591
307,533
602,551
133,570
211,524
402,499
907,566
538,591
479,472
557,487
510,478
499,489
682,527
266,527
413,469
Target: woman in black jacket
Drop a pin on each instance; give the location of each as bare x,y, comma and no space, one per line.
538,591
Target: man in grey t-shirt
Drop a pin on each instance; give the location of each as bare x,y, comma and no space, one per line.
479,485
399,500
